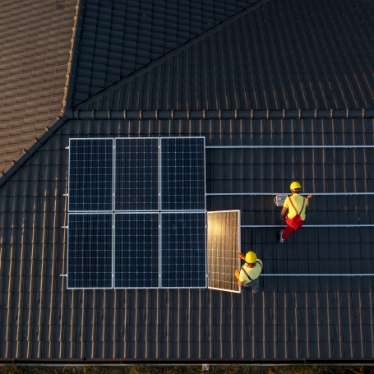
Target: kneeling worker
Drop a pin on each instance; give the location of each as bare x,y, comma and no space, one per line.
293,211
250,271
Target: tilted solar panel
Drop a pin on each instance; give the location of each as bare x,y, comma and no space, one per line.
136,174
223,249
183,173
183,250
90,174
136,253
89,250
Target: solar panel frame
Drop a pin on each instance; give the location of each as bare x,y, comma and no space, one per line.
70,228
136,214
163,204
70,181
162,251
201,209
224,263
141,206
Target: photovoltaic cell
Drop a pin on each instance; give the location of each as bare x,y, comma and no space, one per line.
136,255
183,173
90,251
90,174
223,248
183,250
136,174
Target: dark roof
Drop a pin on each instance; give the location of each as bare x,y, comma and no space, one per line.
35,42
305,318
117,38
287,55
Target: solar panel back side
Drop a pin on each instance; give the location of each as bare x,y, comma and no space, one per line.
183,173
223,247
136,254
90,174
89,250
136,174
183,250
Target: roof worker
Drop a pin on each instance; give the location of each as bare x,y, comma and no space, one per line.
250,271
293,212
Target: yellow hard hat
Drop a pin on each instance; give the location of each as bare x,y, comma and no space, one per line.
250,257
295,186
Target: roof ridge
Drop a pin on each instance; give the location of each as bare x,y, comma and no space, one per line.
169,54
72,63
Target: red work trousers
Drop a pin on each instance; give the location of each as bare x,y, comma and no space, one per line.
289,230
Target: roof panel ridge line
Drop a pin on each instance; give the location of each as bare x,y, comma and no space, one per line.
219,114
172,52
67,100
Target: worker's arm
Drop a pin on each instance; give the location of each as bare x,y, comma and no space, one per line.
284,212
237,274
308,199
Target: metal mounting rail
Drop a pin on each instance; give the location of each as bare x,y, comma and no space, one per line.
285,193
341,225
317,275
287,146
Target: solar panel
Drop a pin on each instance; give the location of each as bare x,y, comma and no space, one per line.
183,250
223,247
90,174
136,253
183,173
136,174
137,216
90,251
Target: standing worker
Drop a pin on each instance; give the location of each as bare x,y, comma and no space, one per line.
250,271
293,211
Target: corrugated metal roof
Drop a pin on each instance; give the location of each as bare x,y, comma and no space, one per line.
285,55
35,43
293,318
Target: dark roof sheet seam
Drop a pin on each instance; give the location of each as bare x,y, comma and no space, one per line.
178,49
219,114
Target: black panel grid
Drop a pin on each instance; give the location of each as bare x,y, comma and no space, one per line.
183,173
119,192
183,250
90,251
90,174
136,174
136,253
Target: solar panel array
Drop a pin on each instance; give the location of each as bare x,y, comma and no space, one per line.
223,248
153,231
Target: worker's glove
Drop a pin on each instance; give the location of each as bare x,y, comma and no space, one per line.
237,273
241,256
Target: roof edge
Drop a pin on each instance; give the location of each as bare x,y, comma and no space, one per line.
189,361
166,56
67,99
